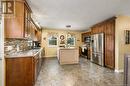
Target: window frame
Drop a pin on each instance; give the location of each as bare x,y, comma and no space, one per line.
74,41
52,45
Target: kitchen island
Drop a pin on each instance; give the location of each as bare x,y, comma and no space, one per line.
68,55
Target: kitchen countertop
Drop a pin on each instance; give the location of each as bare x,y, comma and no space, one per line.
28,53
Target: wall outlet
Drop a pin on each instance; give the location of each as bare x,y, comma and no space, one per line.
8,48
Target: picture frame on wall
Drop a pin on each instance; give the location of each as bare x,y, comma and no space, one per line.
127,36
62,39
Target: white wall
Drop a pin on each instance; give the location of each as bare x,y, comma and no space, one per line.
122,24
0,57
2,72
52,51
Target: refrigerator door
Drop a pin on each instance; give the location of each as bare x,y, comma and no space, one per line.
100,43
97,58
94,43
93,47
101,48
97,44
101,59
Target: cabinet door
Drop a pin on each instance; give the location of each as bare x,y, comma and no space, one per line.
94,30
110,45
14,25
109,54
84,35
19,69
37,68
27,20
36,59
29,28
101,29
26,28
32,30
39,35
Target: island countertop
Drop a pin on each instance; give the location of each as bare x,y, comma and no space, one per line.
68,48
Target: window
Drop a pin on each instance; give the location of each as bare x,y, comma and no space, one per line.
71,40
52,41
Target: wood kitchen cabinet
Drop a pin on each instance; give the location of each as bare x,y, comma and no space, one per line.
97,29
38,35
85,34
20,71
32,30
94,30
101,29
28,21
110,44
38,63
17,26
20,25
108,28
23,71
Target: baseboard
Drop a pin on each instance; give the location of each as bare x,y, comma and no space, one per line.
119,71
49,56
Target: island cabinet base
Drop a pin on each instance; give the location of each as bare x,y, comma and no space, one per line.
68,56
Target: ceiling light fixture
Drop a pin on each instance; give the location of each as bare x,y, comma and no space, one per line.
68,26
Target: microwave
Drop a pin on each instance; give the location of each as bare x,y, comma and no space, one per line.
87,39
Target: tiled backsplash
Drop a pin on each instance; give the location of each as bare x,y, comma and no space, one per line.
13,45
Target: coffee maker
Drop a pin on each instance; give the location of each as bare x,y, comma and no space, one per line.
36,44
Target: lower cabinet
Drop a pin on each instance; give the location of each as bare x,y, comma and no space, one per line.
37,64
23,71
20,71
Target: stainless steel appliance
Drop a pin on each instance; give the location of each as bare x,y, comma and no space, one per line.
36,44
87,39
127,70
97,45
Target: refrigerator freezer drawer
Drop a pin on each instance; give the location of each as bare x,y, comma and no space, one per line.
97,58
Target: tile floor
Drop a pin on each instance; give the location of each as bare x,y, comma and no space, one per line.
83,74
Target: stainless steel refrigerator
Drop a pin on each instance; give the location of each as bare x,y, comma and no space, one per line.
97,47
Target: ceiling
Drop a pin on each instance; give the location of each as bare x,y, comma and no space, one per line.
80,14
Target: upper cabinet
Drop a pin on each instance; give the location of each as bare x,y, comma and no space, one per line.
37,35
28,25
20,25
85,34
97,29
14,25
